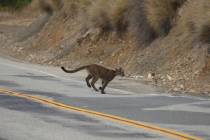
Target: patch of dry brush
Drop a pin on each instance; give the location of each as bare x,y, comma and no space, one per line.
161,14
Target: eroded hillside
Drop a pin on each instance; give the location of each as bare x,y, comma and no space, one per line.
169,38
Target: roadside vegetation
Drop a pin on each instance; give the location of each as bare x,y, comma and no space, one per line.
170,38
13,4
144,19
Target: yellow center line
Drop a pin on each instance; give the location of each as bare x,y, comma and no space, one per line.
166,132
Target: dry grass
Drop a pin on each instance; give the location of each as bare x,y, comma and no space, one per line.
195,18
204,35
122,17
141,20
118,14
108,15
161,14
98,15
139,27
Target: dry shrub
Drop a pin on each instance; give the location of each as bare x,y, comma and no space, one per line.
123,17
204,35
138,27
81,5
98,15
58,3
161,13
49,6
195,18
118,14
108,15
46,6
176,4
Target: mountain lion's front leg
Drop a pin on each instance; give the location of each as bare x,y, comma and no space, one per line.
104,86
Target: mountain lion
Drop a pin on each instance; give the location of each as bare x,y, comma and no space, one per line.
96,72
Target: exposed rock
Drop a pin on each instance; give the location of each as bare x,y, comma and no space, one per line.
169,78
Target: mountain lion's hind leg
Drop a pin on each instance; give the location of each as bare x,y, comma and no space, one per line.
88,79
93,83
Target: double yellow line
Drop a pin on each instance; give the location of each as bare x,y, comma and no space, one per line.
137,124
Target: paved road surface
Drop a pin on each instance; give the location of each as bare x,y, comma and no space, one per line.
25,119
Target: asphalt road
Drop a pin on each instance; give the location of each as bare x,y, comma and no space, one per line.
22,119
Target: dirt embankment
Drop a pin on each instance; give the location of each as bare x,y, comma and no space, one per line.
170,39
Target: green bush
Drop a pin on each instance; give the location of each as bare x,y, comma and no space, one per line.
14,4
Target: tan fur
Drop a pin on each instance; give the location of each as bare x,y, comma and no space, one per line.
96,72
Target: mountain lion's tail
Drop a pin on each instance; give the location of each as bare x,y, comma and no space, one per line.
73,71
